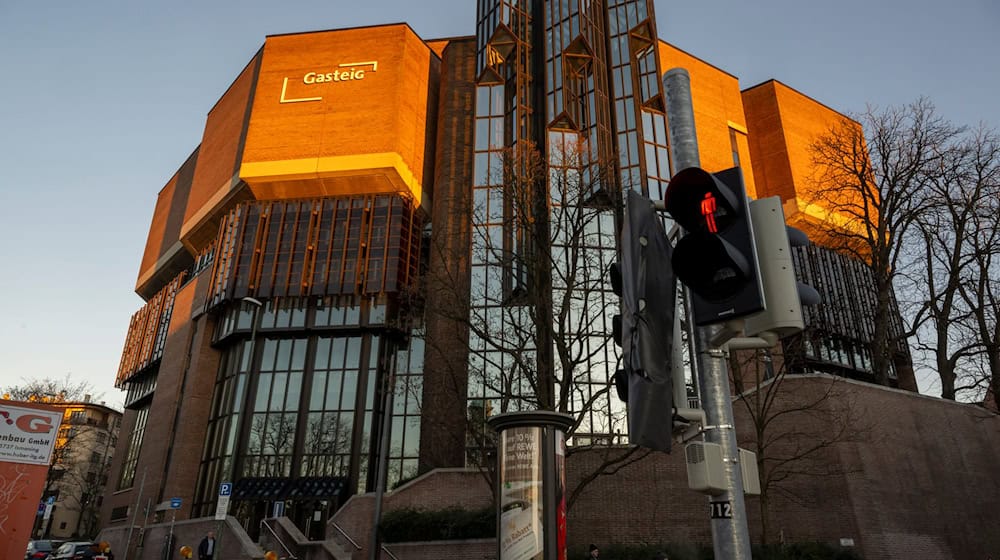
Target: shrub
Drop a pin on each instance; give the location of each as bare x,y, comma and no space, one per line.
407,525
795,551
804,551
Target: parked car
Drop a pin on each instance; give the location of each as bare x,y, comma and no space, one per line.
40,549
101,550
75,550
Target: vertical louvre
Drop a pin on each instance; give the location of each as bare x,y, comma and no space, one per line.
361,245
147,332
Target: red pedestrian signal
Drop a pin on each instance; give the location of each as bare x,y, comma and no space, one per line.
716,258
708,208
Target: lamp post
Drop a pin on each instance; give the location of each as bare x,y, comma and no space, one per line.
256,305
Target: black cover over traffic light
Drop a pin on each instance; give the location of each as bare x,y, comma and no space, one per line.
716,258
645,282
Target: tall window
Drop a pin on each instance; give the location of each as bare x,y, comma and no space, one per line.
299,401
330,419
274,411
127,477
404,442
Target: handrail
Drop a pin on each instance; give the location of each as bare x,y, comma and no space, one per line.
346,536
386,550
291,555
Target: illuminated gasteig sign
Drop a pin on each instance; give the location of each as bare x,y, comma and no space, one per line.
346,72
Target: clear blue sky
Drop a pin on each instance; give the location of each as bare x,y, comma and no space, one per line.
101,101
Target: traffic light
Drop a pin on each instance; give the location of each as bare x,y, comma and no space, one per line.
784,294
644,282
716,257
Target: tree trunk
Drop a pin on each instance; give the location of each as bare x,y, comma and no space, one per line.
946,369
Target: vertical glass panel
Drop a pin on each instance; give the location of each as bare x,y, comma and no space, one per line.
239,394
318,390
482,100
284,354
412,446
298,355
278,391
333,391
482,134
337,354
377,315
263,391
353,352
322,359
294,391
479,205
482,169
352,315
270,349
496,107
350,390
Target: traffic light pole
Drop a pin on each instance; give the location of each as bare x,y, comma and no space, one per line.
730,535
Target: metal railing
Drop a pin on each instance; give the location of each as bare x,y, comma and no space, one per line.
346,536
358,546
386,550
289,553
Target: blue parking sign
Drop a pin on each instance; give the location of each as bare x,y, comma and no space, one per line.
226,489
175,503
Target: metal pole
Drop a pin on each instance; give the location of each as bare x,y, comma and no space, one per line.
255,305
730,536
135,514
170,537
383,463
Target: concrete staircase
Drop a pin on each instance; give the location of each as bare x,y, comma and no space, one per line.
284,538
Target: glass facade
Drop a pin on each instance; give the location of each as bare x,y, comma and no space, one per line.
839,330
303,295
296,400
571,109
127,477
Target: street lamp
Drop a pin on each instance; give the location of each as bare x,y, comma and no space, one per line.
257,305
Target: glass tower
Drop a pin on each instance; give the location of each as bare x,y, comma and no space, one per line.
569,113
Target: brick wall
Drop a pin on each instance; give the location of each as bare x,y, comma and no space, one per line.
915,477
445,374
178,416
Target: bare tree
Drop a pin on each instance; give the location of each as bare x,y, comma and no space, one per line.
795,426
535,309
980,286
85,450
272,435
957,238
68,465
872,183
50,390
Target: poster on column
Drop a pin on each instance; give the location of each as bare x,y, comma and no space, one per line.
521,534
560,438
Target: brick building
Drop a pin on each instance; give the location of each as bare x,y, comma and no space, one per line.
351,181
78,477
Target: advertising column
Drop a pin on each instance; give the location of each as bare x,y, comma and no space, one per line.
531,521
27,436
